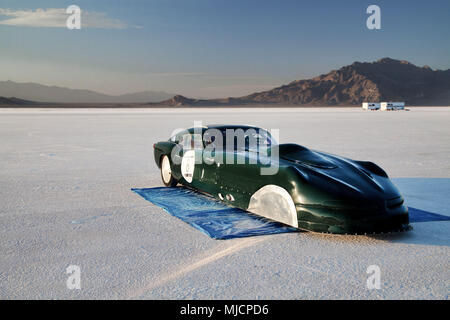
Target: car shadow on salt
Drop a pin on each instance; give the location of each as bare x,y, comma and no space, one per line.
431,223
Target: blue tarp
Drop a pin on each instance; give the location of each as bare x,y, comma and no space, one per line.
210,216
220,221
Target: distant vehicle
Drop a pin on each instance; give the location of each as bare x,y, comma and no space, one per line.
388,106
371,105
311,190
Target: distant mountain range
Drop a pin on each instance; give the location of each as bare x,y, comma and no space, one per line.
42,93
384,80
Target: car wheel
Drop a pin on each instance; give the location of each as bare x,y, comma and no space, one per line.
166,173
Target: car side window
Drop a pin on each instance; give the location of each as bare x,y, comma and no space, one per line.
191,141
178,138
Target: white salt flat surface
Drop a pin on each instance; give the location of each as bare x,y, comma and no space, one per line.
65,199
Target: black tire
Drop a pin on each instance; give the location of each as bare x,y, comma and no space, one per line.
166,172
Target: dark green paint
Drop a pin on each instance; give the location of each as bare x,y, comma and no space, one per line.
331,193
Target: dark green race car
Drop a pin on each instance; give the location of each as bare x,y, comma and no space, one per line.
244,167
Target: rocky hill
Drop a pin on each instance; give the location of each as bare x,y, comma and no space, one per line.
15,101
384,80
179,101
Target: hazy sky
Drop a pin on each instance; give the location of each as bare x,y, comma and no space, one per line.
211,48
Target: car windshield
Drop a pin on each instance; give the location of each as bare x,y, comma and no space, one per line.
241,139
253,140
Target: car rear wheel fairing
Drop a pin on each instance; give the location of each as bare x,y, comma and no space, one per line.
275,203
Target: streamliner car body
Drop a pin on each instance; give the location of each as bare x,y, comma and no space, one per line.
309,190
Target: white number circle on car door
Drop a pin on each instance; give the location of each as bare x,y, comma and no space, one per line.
188,165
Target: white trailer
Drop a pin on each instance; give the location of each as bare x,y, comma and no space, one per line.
371,105
392,106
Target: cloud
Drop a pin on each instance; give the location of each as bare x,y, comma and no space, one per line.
56,18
